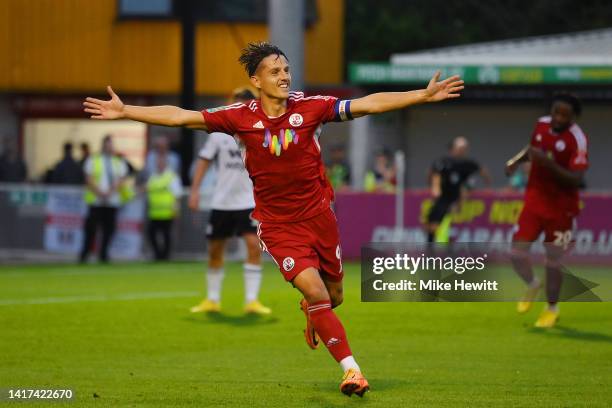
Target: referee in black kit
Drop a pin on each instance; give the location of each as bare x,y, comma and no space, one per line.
448,176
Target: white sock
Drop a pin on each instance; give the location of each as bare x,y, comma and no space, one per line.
349,362
553,308
535,283
214,278
252,281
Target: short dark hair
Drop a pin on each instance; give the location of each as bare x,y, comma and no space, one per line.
570,99
67,148
252,55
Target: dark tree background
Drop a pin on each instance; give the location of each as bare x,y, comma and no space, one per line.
375,29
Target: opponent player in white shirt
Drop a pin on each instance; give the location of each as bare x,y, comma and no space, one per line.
232,205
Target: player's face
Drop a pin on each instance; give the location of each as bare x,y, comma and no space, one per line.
272,77
561,116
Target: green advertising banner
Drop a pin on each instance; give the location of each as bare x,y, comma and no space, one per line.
385,73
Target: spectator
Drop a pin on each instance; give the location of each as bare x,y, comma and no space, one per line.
105,174
12,167
85,153
518,181
338,170
162,146
163,192
381,178
67,170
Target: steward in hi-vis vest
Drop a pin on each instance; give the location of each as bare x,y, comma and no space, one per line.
163,193
105,175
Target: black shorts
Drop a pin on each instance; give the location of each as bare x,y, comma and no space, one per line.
438,210
225,224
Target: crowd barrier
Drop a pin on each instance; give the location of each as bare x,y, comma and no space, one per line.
483,217
46,221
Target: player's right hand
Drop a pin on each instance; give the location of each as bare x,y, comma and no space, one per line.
194,201
99,109
510,168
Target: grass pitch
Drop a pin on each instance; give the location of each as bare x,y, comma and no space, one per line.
122,335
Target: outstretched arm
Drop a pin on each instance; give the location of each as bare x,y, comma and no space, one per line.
153,115
436,91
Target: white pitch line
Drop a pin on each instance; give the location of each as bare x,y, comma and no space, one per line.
97,298
92,273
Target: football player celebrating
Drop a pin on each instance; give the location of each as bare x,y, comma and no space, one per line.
280,134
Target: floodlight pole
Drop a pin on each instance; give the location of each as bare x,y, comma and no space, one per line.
186,12
286,30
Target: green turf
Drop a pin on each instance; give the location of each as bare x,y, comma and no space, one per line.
124,333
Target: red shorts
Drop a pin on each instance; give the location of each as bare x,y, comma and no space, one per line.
295,246
557,228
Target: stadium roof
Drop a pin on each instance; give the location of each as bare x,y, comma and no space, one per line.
592,47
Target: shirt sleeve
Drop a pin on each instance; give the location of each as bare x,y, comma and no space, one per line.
123,169
87,167
474,167
176,187
579,159
211,148
223,118
437,166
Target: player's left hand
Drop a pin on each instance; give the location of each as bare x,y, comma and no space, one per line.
440,90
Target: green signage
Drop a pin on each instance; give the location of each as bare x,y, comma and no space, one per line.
385,73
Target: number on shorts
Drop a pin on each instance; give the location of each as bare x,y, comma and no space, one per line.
562,238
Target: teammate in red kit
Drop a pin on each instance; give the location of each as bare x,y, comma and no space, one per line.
558,153
280,136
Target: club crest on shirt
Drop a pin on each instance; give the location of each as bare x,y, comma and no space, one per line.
296,120
560,145
288,263
276,144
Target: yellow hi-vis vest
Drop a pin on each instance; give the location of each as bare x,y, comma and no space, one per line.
162,202
97,169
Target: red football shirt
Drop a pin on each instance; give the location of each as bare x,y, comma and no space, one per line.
282,154
568,149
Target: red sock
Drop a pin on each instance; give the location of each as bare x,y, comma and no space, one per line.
329,329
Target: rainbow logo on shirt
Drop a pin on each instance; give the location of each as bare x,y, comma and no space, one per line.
277,143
